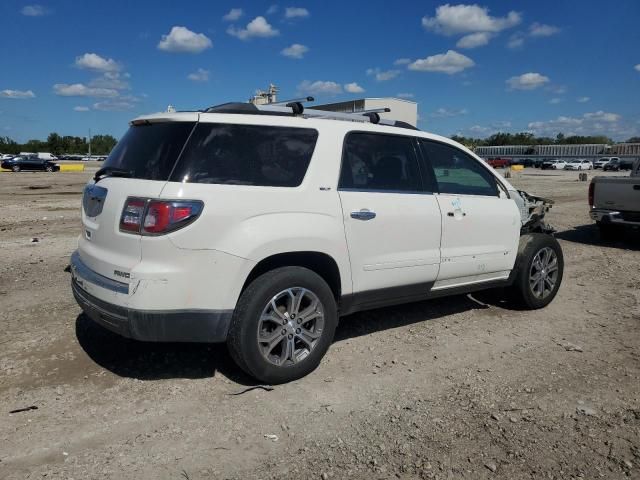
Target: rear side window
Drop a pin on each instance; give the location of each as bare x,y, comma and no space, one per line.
246,155
150,151
377,162
458,173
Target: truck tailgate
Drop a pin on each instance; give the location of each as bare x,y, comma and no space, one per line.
617,193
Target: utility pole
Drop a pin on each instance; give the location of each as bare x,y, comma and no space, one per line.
89,143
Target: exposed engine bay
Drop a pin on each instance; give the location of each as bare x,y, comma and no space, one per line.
532,212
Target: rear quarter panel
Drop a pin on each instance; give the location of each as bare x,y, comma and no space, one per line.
254,222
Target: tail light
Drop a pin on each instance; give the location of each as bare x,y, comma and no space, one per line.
592,187
145,216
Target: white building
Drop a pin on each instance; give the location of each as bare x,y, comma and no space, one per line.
403,110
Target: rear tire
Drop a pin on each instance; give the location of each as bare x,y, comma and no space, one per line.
49,169
283,324
540,267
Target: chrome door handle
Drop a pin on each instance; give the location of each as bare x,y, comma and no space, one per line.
451,214
363,214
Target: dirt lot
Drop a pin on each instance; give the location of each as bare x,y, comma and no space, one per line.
455,388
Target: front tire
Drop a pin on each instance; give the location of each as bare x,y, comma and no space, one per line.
49,169
283,324
15,168
540,267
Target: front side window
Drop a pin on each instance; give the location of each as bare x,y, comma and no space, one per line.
246,155
458,173
378,162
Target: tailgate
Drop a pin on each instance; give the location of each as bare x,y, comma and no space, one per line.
617,194
102,246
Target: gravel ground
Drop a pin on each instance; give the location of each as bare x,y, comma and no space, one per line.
462,387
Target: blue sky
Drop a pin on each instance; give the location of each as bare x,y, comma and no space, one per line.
544,66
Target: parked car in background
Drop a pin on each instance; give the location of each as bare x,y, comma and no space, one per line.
579,164
41,155
553,164
6,156
29,163
601,162
615,164
499,162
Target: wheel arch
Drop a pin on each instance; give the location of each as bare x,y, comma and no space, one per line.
321,263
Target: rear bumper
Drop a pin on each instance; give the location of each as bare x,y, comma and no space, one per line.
189,325
615,217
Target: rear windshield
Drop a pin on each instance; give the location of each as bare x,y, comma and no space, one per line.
150,151
246,155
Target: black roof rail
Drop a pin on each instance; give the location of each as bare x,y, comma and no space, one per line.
243,109
278,110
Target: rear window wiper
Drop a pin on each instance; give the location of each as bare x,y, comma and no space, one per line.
111,172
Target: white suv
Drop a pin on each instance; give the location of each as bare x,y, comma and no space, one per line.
261,227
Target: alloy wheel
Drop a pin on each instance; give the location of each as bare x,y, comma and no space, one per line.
290,326
543,274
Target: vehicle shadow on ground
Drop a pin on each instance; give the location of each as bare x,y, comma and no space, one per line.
625,239
153,360
157,361
370,321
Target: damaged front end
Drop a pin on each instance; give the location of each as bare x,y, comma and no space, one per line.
532,212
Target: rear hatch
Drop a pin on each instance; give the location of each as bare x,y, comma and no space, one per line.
139,166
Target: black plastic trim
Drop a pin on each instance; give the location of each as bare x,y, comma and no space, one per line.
386,297
200,326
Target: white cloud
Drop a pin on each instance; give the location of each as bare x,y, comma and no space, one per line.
272,9
474,40
34,11
233,15
600,123
183,40
583,99
296,51
402,61
555,101
320,87
383,76
81,108
258,27
601,116
637,68
542,30
449,63
353,88
516,41
17,94
200,75
118,105
81,90
405,95
527,81
93,61
557,89
296,12
114,80
448,113
463,19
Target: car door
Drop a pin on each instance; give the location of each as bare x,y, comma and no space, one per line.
480,224
392,220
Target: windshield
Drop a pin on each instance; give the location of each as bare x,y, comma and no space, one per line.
150,151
